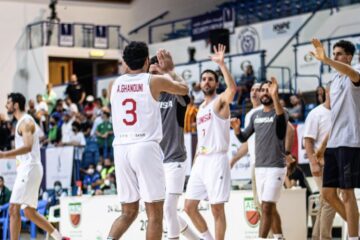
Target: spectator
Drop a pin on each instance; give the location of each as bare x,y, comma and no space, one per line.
72,107
105,135
282,103
32,111
295,177
89,107
53,196
54,135
5,133
50,97
77,138
247,79
98,120
92,180
66,128
98,107
41,111
5,193
109,186
107,169
75,91
320,95
197,93
296,111
190,117
104,98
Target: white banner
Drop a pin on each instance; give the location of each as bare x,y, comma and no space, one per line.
66,36
281,28
59,166
190,73
101,37
79,216
241,170
8,172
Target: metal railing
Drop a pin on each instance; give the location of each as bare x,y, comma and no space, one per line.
48,33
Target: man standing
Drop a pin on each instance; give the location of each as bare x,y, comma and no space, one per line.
29,170
317,126
342,163
75,91
137,129
210,176
173,110
269,125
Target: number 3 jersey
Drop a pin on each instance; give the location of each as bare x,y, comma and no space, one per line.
213,131
135,113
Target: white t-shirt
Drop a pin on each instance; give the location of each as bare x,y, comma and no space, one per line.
66,131
317,124
345,112
251,140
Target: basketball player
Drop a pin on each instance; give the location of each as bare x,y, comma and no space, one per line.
138,131
317,126
25,192
173,110
269,124
210,175
342,155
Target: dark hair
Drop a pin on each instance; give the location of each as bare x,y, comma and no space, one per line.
323,95
58,183
348,47
1,178
76,125
19,99
107,114
263,83
135,55
212,72
154,60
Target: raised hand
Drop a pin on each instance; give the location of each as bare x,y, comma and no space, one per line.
235,124
274,87
166,63
319,52
219,54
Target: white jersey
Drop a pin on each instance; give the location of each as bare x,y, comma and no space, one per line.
135,113
213,131
32,157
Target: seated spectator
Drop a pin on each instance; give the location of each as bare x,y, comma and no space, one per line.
247,79
5,193
295,177
71,107
50,97
78,138
92,180
296,111
320,95
98,107
53,196
109,186
90,106
98,120
107,168
5,133
104,98
190,117
54,135
105,135
32,110
197,93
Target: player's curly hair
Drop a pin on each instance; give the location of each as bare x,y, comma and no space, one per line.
19,99
349,47
135,55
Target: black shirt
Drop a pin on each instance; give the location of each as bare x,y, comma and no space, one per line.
5,139
74,91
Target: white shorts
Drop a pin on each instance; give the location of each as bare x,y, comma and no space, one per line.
175,177
210,179
139,172
269,182
27,185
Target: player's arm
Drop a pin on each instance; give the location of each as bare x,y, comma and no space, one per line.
290,137
319,154
228,95
281,120
243,136
26,129
242,151
342,68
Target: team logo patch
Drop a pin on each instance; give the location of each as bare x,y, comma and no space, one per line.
75,214
252,215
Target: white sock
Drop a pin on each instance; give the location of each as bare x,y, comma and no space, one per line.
187,231
56,235
207,235
278,236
